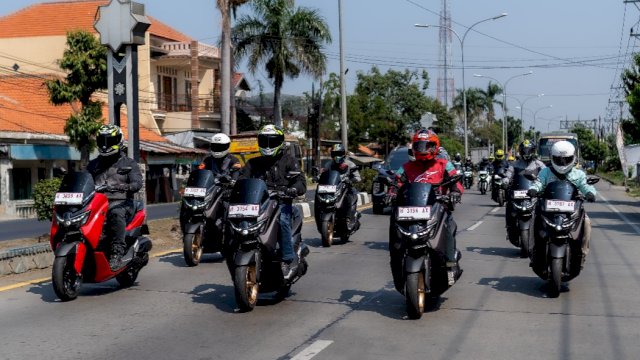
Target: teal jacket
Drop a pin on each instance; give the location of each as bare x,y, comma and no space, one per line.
575,176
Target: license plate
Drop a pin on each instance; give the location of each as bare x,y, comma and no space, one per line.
481,173
249,210
63,198
560,205
195,192
327,189
414,213
520,194
468,173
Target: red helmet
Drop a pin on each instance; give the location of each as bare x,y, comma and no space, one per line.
425,145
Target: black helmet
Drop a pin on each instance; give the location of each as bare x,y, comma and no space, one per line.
338,153
109,140
527,150
458,157
484,159
270,140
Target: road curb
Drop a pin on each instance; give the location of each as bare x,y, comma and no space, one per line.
21,260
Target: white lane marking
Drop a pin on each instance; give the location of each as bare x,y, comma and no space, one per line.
496,209
312,350
621,215
474,226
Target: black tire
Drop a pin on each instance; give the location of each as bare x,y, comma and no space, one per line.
66,282
246,287
326,232
378,208
192,248
500,199
283,292
555,280
483,188
415,295
525,243
128,277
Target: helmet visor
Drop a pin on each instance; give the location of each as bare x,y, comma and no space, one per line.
270,141
424,146
219,147
337,153
562,160
107,141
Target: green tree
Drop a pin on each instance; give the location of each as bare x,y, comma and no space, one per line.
85,61
514,129
489,96
287,40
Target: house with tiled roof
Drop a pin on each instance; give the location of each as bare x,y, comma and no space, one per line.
178,77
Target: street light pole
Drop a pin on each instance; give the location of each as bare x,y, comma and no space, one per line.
504,103
464,89
343,87
522,109
534,117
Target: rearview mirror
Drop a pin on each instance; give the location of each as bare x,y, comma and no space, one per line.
293,174
124,170
592,180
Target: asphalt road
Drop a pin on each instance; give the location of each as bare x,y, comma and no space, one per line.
26,228
345,307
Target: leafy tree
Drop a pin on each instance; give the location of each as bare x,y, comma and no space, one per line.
514,129
85,61
287,40
489,96
590,147
44,192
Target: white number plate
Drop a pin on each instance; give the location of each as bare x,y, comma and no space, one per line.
68,199
520,194
249,210
468,173
195,192
414,213
482,172
327,189
560,205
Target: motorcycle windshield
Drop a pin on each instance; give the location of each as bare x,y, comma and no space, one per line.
78,182
331,177
520,182
201,178
249,191
416,194
560,190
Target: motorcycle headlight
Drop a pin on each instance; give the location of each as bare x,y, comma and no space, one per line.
78,220
250,229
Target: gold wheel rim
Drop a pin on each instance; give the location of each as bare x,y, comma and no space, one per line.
421,293
196,246
252,284
330,232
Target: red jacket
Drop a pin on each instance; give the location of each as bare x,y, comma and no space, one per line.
430,172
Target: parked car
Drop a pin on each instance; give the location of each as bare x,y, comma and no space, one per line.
384,185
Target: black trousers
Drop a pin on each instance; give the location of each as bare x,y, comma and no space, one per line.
119,211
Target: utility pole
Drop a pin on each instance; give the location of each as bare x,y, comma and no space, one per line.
343,87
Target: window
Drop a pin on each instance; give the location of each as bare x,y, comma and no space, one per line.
21,184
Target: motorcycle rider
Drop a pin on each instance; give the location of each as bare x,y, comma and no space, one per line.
500,162
428,168
468,164
563,161
273,167
219,161
123,179
457,161
343,165
528,163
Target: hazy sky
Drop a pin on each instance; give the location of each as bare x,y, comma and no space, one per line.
575,48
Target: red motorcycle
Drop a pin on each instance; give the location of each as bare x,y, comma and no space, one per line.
81,250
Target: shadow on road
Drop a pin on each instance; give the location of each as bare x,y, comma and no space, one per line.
218,295
177,259
527,285
377,245
508,252
45,290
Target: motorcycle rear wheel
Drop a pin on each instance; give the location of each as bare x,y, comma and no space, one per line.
128,277
66,282
555,280
246,287
483,188
326,232
378,208
415,295
192,248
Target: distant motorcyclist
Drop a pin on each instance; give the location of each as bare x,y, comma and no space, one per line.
563,161
427,168
457,161
484,163
220,161
123,179
500,162
341,163
468,164
273,167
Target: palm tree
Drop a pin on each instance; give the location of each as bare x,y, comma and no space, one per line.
489,96
286,39
226,7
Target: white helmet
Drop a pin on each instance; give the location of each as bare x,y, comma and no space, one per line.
220,144
563,156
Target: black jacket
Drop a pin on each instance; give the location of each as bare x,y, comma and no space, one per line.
116,170
220,166
498,164
273,170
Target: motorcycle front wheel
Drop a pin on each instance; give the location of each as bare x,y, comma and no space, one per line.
66,282
500,199
415,295
483,188
245,284
326,232
555,280
192,250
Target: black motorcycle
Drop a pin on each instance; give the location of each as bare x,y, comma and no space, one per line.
557,256
252,252
421,223
333,215
384,190
467,180
497,192
520,231
201,215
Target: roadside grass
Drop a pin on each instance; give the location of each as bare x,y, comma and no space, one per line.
617,178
